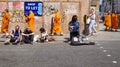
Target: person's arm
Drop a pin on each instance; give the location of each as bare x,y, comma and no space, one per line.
12,34
76,26
70,26
24,33
46,33
20,35
42,35
26,19
31,33
92,17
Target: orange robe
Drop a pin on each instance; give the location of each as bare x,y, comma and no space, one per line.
5,22
56,24
31,21
107,21
115,19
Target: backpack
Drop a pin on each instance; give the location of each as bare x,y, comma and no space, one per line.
75,41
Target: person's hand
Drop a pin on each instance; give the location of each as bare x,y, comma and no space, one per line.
70,27
91,18
27,35
43,37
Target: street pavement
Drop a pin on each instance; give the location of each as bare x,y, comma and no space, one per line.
105,53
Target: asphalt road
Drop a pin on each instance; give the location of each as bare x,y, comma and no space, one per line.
61,55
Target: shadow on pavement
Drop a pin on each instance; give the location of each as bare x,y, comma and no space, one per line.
67,40
109,31
81,44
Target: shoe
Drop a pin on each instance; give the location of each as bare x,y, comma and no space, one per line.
7,34
46,40
31,43
51,34
106,30
116,30
7,43
94,34
61,34
21,43
3,36
14,43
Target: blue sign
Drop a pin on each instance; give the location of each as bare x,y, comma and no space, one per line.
36,7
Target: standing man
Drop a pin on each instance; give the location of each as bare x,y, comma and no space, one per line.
56,24
107,21
30,19
5,21
115,19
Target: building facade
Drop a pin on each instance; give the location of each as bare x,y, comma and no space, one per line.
116,5
110,5
67,9
95,4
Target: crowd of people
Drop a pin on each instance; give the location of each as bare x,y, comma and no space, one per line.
18,36
27,36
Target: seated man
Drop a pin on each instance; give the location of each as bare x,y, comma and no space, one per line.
44,35
74,27
15,37
27,36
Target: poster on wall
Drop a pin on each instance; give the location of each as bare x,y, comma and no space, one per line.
16,11
36,7
3,6
49,8
16,4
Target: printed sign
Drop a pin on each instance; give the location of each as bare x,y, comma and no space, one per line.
36,7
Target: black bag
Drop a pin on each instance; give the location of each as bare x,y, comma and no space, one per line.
13,39
42,40
26,39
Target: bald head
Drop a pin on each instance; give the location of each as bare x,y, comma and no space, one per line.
6,10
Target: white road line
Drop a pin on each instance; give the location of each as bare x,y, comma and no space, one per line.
114,62
101,47
108,55
104,50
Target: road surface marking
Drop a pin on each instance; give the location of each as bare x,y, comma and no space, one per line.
108,55
114,62
104,50
101,47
